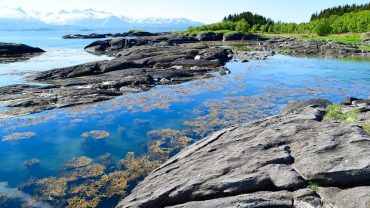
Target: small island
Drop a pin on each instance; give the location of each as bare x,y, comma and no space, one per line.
11,52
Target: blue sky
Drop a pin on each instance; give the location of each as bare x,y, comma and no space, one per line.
201,10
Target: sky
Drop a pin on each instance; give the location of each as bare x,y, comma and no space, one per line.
207,11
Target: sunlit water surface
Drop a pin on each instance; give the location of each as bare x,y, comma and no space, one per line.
253,90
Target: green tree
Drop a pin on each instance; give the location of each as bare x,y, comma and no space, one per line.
270,29
264,28
254,29
323,28
242,26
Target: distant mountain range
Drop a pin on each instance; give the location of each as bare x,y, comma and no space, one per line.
19,19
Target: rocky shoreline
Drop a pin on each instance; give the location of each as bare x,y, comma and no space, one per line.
309,156
148,60
11,52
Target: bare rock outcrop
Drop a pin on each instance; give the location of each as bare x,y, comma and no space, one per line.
11,52
296,159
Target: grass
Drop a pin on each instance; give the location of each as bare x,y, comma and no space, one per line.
199,32
136,31
313,186
354,38
335,112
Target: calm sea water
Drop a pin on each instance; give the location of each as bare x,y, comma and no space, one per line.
256,89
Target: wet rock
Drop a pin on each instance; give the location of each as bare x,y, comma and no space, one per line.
245,56
292,46
112,46
109,35
8,49
266,163
224,71
89,36
135,69
10,52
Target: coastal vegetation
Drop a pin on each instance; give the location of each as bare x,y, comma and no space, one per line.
338,20
339,11
336,112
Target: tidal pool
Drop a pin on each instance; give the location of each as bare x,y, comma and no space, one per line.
110,137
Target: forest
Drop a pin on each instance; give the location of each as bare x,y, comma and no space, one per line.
356,19
339,11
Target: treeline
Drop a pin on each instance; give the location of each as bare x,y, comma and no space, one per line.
252,19
339,11
356,22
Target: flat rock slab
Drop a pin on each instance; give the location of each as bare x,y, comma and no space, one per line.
135,69
293,46
267,163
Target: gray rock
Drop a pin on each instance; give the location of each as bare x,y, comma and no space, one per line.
224,71
294,46
209,36
358,197
135,69
240,36
280,199
295,105
266,163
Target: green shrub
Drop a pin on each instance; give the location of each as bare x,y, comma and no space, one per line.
335,112
323,28
313,186
135,31
242,26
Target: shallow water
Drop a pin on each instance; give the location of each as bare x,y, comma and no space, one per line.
253,90
59,53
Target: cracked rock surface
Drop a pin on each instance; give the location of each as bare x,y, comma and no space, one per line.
267,163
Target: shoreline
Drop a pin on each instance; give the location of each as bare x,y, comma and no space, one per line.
143,62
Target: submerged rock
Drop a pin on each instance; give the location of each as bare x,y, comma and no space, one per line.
267,163
32,163
95,134
18,136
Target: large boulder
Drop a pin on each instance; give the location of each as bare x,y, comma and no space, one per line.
12,49
267,163
235,36
209,36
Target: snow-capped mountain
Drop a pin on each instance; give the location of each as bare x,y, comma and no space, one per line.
19,19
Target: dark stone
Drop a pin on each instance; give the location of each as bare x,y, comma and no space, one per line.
348,101
135,69
209,36
11,52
